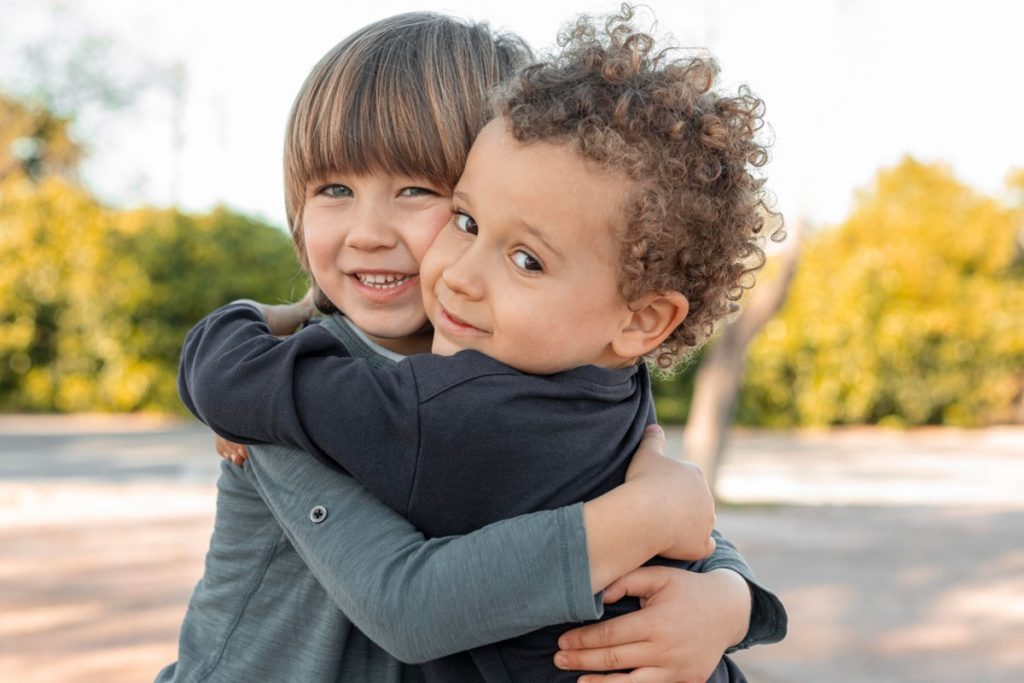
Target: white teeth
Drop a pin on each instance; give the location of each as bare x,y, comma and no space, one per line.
382,280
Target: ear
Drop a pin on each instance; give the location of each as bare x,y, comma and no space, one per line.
653,318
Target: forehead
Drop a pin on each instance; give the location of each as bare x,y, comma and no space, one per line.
548,185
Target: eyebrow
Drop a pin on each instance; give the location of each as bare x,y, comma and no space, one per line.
535,231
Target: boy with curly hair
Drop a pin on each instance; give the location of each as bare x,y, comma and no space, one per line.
610,213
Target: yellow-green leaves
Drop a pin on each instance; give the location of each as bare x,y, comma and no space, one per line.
94,303
911,312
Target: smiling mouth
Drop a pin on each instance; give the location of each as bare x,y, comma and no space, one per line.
382,281
458,324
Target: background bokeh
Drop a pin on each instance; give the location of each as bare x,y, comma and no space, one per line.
875,481
141,186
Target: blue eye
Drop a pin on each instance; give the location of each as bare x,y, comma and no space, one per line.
527,261
335,191
416,192
465,223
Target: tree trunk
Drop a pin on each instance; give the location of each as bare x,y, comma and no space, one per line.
717,383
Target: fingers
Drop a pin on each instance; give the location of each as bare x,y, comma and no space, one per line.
644,675
613,593
229,450
629,628
650,450
642,582
654,439
233,456
307,302
605,659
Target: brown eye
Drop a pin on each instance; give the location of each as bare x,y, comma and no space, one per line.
465,223
527,261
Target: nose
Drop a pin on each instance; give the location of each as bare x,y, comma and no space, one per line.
372,228
464,275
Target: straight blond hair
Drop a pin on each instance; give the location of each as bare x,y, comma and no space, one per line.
405,95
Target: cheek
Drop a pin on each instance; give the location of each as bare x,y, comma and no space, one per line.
426,231
590,305
316,238
318,255
433,264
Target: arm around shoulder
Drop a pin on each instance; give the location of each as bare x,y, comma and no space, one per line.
305,391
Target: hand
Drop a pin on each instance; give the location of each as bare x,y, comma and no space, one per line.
283,319
229,450
680,495
685,623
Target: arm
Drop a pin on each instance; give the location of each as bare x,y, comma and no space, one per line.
244,382
656,487
421,599
745,613
765,621
252,387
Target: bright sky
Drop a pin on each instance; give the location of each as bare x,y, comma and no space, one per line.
850,85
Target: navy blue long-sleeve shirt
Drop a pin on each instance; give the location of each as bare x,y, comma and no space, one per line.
452,443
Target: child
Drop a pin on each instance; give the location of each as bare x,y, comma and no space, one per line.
378,286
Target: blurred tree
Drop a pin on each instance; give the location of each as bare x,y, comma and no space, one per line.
72,87
50,236
720,373
193,264
909,313
35,141
673,392
94,303
58,60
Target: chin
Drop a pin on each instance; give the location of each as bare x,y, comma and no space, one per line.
384,327
444,348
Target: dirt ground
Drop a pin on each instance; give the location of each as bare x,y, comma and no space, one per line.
900,556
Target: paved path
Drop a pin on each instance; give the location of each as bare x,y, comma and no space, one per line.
899,556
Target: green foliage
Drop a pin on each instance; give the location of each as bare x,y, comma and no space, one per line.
909,313
34,140
673,393
94,304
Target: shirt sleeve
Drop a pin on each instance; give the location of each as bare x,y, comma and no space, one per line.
304,391
422,599
768,619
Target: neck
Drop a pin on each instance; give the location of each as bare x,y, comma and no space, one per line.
407,346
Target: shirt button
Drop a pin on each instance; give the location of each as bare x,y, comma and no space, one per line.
318,514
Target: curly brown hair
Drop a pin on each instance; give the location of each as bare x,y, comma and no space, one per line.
695,217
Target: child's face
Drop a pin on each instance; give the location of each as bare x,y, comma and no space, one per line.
365,236
527,269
